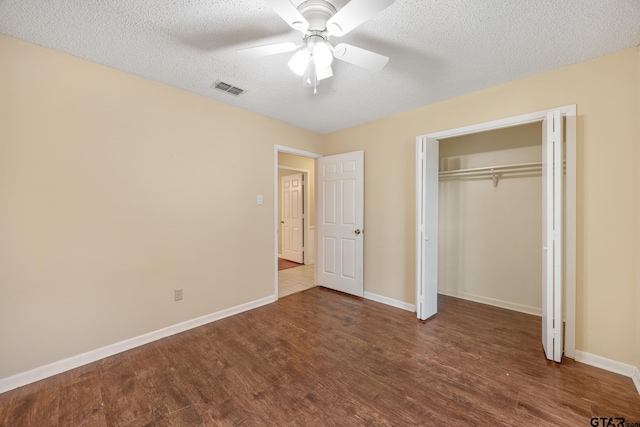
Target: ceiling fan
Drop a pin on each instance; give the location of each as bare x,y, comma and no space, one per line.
318,20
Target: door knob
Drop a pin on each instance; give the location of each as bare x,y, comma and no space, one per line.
357,231
281,222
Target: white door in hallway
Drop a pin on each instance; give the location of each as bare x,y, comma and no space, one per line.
292,222
340,222
552,177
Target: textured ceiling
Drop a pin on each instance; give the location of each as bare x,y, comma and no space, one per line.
438,49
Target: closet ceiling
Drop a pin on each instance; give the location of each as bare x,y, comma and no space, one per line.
437,49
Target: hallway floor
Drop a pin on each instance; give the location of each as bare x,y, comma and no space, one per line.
295,279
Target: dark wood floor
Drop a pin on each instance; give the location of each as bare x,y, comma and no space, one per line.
284,264
321,358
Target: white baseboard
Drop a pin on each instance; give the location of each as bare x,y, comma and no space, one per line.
610,365
390,301
73,362
491,301
636,378
606,364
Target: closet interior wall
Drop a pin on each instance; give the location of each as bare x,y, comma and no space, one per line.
490,236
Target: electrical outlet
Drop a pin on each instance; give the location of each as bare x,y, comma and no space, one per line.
177,294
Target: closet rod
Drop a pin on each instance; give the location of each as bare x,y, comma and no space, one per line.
522,167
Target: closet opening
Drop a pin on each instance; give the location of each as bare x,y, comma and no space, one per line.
496,220
490,217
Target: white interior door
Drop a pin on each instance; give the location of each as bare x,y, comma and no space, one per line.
292,223
428,168
340,221
552,172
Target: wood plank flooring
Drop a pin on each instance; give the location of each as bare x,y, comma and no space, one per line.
284,264
320,358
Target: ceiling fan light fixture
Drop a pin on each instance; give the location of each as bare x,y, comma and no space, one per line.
324,73
322,55
298,62
310,78
318,20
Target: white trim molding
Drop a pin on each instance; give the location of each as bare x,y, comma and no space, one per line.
310,246
610,365
535,311
390,301
636,378
73,362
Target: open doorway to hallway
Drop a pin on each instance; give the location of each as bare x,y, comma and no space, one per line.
295,222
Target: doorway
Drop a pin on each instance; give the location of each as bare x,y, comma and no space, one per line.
294,190
559,239
339,260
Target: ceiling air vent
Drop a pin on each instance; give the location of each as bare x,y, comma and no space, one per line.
226,87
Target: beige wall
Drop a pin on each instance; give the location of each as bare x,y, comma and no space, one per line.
490,240
115,190
606,93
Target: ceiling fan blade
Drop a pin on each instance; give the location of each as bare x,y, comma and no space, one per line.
361,57
289,13
266,50
355,13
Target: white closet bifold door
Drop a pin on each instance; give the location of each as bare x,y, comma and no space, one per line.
552,172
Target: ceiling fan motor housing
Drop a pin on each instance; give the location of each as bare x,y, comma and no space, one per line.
317,13
313,39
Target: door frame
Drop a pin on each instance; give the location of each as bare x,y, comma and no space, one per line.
569,112
276,202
